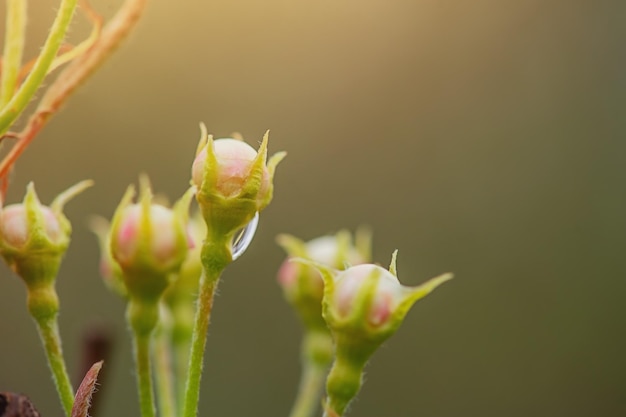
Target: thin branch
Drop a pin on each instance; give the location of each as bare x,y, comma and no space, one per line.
10,112
72,76
13,48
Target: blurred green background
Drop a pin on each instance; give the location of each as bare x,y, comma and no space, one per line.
484,138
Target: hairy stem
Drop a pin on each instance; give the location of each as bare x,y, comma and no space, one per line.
49,333
208,284
13,48
181,358
144,374
164,374
84,65
10,112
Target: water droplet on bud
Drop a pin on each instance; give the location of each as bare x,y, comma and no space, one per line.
242,238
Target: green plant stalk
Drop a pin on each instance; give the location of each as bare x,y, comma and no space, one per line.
13,48
216,254
316,355
164,375
198,345
49,333
311,383
344,380
39,274
181,358
142,314
11,111
141,352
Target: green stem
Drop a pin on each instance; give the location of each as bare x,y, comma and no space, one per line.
181,357
164,374
343,382
49,333
208,284
10,112
144,375
311,383
216,255
13,48
316,357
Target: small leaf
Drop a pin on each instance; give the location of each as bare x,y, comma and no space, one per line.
82,401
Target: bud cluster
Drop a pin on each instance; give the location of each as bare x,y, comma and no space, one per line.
362,306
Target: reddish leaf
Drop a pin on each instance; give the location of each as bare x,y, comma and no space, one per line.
82,401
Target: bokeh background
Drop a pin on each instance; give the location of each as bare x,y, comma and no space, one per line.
484,138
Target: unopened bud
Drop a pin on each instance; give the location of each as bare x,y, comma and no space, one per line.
363,306
234,182
33,240
149,241
302,284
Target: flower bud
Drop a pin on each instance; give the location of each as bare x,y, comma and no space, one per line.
302,284
234,182
363,306
15,226
149,241
31,230
234,160
369,301
33,240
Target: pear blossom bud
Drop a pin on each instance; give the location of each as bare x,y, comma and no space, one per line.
234,182
363,306
33,240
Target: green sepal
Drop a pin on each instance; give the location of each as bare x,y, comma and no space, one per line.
271,169
363,242
344,243
292,245
414,294
62,199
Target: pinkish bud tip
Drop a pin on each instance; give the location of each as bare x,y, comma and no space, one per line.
15,228
387,293
235,159
164,242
